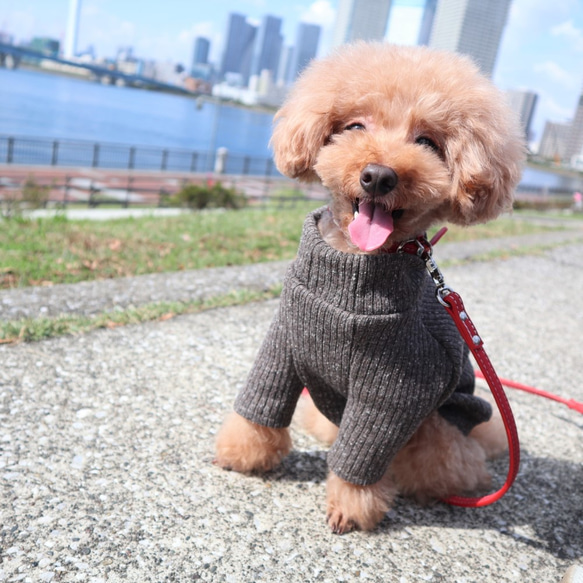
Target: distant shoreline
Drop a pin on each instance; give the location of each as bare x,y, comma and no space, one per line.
194,96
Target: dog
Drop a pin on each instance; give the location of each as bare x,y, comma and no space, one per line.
402,138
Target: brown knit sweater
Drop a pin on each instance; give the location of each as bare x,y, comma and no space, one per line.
376,350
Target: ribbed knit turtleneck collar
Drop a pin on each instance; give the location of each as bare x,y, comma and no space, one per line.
363,284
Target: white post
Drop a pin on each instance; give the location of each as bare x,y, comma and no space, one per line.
221,160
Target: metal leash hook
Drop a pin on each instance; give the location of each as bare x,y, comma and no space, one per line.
425,252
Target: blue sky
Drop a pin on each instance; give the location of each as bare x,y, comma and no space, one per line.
541,50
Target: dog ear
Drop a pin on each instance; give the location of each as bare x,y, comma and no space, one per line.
486,159
302,126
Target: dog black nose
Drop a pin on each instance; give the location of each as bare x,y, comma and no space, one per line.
378,180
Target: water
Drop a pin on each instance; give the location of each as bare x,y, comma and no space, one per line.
541,178
41,105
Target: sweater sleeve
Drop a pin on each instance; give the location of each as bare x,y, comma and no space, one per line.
273,387
393,389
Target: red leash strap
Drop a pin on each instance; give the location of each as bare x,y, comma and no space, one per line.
571,403
455,307
456,310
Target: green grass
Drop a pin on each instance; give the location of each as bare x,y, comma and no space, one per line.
41,252
50,251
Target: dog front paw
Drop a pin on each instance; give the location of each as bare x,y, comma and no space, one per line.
340,524
352,507
244,446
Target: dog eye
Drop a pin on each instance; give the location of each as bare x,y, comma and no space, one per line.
355,126
425,141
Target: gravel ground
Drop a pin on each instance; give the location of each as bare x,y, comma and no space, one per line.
106,444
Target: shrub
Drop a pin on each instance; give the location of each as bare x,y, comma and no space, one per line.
31,196
200,196
542,204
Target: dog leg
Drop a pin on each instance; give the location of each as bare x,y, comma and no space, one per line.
492,435
439,461
315,423
244,446
353,507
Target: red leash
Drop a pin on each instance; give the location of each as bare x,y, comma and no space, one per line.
452,302
470,335
571,403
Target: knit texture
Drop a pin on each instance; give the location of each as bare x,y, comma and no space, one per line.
376,350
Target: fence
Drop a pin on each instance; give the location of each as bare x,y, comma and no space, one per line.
79,153
257,177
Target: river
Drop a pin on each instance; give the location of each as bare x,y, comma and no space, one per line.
44,105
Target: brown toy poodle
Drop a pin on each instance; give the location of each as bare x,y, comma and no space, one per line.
402,137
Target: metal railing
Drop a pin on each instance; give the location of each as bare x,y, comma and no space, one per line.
191,165
22,150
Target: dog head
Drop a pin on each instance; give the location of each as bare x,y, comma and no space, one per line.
407,136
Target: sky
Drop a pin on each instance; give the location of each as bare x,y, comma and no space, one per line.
541,49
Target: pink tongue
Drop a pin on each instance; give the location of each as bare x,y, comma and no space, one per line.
372,226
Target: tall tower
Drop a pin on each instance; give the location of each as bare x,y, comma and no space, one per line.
471,27
361,19
574,143
523,103
72,29
307,39
201,51
268,44
554,141
427,22
239,47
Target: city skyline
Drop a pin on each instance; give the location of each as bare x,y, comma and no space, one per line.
471,27
541,47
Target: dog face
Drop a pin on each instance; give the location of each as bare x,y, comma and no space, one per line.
406,136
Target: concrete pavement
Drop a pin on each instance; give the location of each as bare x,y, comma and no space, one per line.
107,445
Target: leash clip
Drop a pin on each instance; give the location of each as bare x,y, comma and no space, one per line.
425,252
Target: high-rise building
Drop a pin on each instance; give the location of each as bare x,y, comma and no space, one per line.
201,51
554,140
239,48
574,144
267,48
72,35
284,67
361,20
523,103
427,22
471,27
201,68
306,47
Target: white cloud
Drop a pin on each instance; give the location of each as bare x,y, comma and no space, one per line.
535,15
568,31
557,111
320,12
556,74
